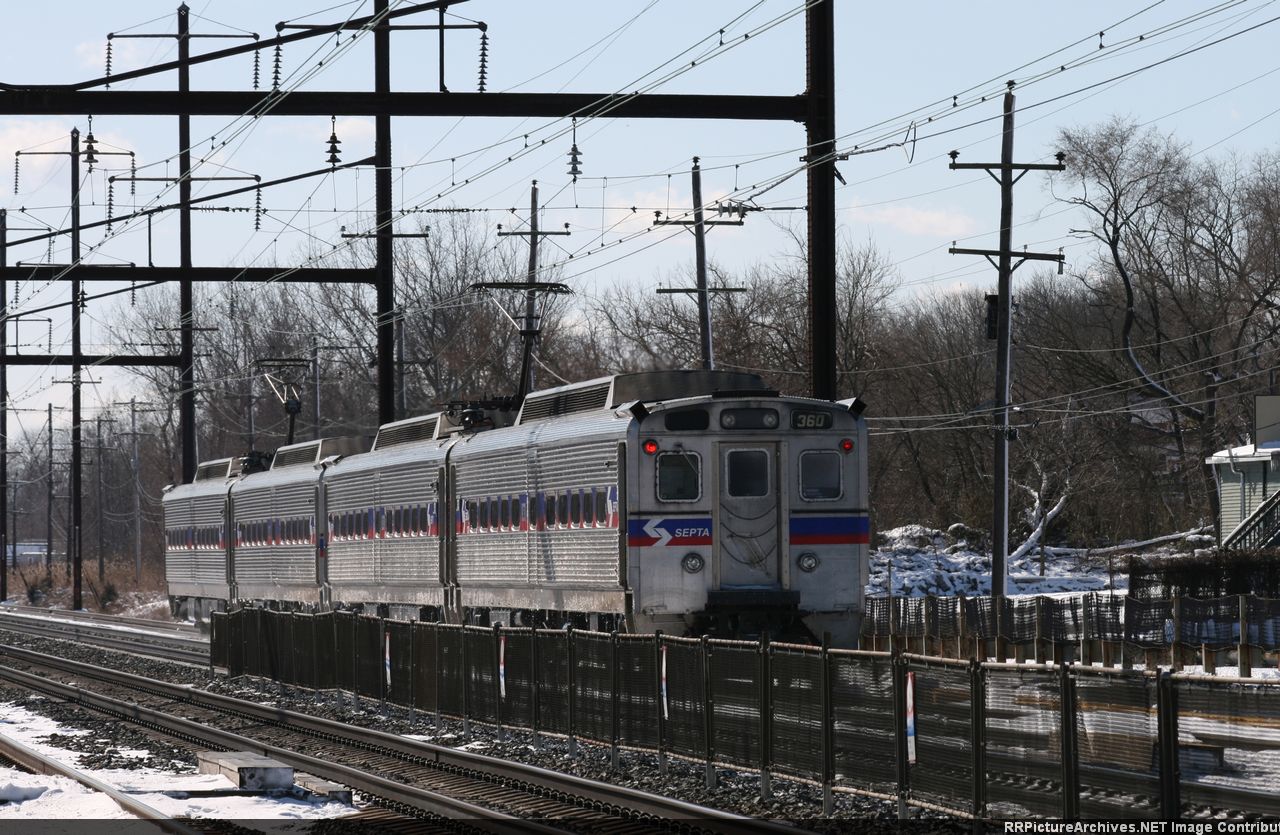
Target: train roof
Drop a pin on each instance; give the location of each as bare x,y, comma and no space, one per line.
219,470
408,431
646,386
313,452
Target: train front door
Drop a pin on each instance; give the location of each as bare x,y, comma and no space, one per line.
748,536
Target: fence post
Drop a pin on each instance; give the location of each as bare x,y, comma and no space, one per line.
1070,755
466,684
573,694
766,788
930,618
535,707
355,660
898,674
435,650
1175,646
613,700
997,611
978,735
413,670
1167,729
1041,655
828,727
894,621
315,659
660,676
708,712
384,688
1244,651
499,677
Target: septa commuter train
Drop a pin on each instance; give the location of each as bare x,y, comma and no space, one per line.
688,501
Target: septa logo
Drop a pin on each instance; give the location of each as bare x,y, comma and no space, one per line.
659,533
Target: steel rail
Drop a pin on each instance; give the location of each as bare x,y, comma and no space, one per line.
160,647
406,797
49,613
606,794
43,764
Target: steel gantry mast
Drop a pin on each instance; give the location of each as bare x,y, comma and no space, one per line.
814,107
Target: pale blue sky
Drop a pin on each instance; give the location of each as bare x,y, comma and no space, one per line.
893,59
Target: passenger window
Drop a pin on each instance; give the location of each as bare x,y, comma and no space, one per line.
588,508
562,509
748,472
504,507
549,507
484,515
397,521
819,475
602,507
575,508
413,520
679,477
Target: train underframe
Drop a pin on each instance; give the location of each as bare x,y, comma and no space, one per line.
748,616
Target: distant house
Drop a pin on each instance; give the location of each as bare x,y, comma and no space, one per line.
1248,486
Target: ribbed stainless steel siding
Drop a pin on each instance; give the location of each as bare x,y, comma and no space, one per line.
276,494
572,452
396,477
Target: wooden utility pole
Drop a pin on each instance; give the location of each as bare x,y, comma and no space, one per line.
4,418
699,225
48,534
1002,259
700,270
98,421
532,329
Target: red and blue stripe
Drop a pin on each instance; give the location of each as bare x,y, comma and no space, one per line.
830,530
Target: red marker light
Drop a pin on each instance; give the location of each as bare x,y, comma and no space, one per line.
650,447
846,445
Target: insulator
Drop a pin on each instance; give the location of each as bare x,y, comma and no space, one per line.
484,59
257,68
334,142
108,73
575,162
133,175
275,69
16,157
257,211
133,293
111,202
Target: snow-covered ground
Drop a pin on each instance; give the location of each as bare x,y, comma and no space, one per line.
915,561
35,796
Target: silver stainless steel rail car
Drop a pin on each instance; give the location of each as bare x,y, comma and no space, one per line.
688,501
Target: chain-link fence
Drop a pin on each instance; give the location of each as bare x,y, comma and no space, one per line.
1000,740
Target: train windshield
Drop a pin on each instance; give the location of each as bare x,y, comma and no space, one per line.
679,477
748,472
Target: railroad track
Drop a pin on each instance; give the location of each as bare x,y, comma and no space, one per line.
167,645
406,775
179,627
12,751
